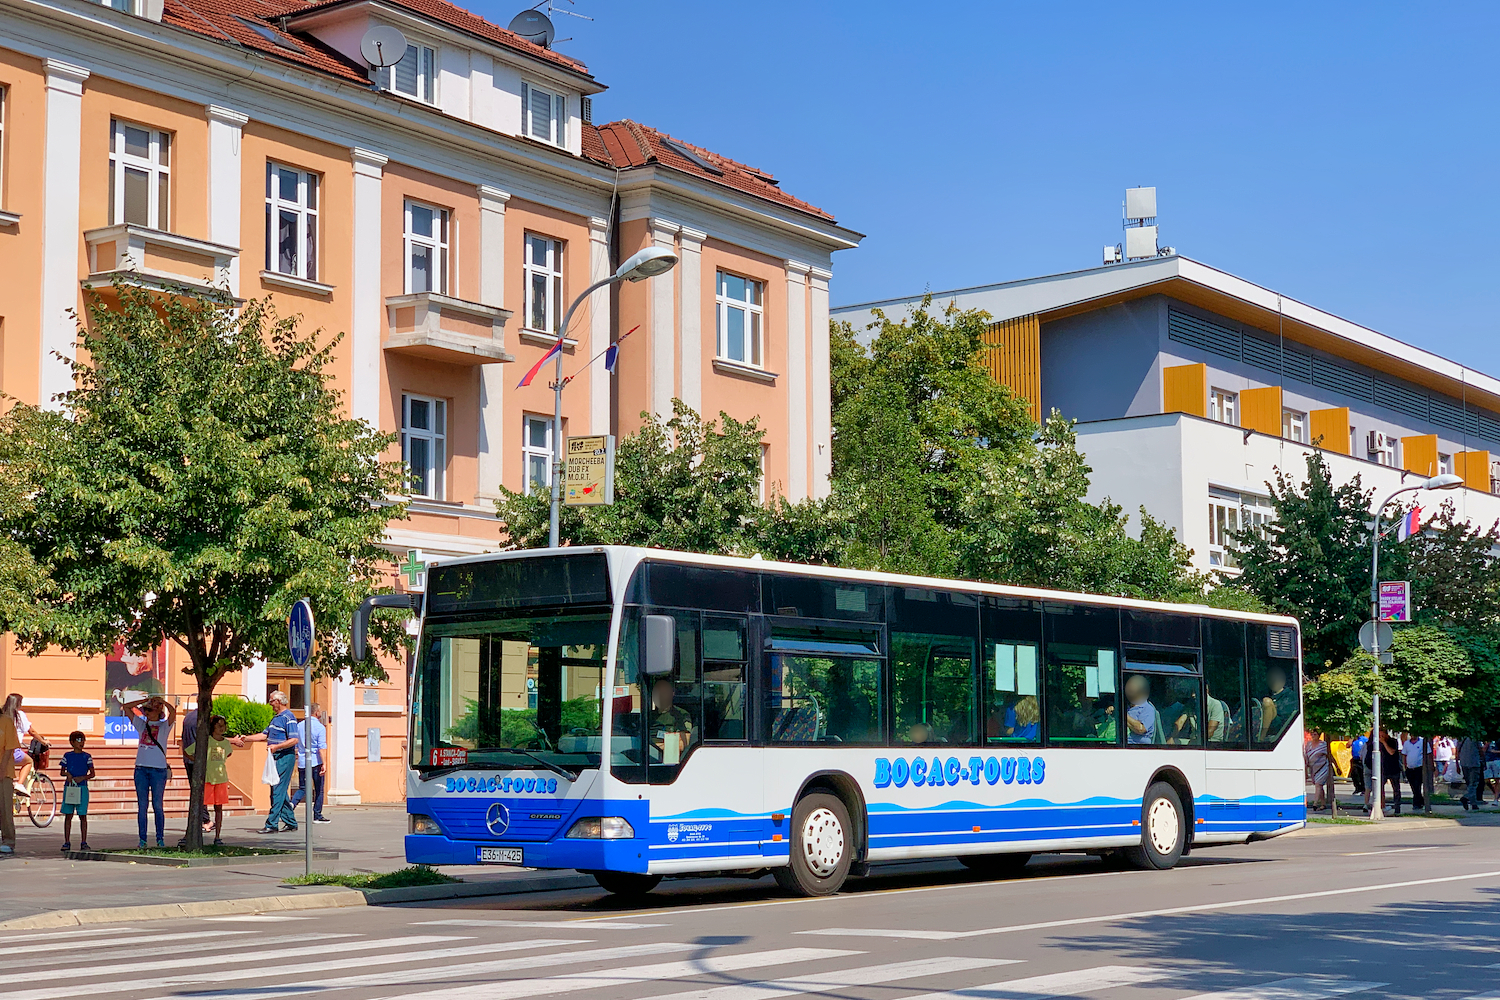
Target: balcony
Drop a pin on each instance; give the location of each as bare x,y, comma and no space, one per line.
439,328
154,259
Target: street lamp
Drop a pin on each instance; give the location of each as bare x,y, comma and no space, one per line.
1446,481
647,264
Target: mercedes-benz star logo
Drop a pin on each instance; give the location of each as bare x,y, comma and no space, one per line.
497,819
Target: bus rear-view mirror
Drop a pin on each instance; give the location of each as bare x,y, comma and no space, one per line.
661,638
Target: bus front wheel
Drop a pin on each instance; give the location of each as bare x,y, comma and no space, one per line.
821,848
1163,832
626,883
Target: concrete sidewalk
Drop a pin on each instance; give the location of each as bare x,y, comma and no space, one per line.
39,880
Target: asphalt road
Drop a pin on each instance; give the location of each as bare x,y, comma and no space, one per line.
1368,914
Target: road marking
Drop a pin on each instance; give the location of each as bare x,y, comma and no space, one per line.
1291,989
90,931
1203,907
399,952
821,982
1492,995
425,975
553,924
255,918
84,970
1393,850
915,935
28,949
1059,984
604,978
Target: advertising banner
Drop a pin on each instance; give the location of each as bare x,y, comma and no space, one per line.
130,677
1395,601
589,478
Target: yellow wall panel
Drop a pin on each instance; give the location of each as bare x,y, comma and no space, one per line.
1419,454
1013,353
1260,410
1474,466
1330,429
1184,389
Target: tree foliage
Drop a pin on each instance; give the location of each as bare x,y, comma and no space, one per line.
1423,687
197,480
1339,702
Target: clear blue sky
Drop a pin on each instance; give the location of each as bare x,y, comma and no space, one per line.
1346,155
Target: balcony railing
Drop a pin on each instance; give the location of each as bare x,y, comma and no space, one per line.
442,328
156,259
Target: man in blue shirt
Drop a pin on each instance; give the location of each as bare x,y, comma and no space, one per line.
312,748
280,737
1140,718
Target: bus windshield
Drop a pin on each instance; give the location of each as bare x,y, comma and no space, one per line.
519,689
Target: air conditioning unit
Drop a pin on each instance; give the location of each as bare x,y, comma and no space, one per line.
1379,442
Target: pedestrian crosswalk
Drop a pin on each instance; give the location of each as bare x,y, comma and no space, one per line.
479,959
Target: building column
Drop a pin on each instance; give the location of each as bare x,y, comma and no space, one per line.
253,681
60,233
663,325
342,791
599,319
225,127
796,380
491,377
691,306
822,407
365,291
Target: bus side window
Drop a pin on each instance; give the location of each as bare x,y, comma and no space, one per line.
1273,681
1082,651
723,704
1224,684
1013,713
932,639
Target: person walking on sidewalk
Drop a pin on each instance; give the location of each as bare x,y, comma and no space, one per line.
153,720
216,784
1411,763
312,752
280,738
9,741
77,771
1390,770
1471,763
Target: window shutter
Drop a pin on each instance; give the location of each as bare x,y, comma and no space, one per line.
525,109
560,119
586,109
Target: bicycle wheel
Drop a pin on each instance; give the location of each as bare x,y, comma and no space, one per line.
43,805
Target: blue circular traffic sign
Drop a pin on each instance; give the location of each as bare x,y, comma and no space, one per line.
300,633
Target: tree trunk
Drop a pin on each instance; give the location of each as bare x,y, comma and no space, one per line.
197,774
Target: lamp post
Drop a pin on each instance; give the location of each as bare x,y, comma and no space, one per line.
646,264
1447,481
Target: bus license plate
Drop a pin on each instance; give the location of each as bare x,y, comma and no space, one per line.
500,855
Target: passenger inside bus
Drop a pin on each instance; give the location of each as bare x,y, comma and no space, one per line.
920,732
1178,724
670,725
1021,720
1140,718
1278,706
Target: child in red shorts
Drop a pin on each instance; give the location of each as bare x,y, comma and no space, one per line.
216,784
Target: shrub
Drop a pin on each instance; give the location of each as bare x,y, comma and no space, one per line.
249,717
225,704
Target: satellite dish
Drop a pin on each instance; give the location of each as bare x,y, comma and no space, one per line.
383,46
534,26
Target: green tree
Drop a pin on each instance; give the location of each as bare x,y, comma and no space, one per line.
1454,575
680,483
197,480
1339,705
1313,561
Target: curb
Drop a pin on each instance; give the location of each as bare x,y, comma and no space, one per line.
177,911
1388,824
170,862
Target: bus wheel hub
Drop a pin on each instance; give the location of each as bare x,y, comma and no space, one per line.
822,842
1163,826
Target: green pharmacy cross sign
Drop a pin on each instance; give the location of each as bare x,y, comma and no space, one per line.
414,568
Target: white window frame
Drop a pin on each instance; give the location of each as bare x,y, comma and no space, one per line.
128,6
424,77
305,210
1294,425
433,481
548,273
4,93
755,319
438,244
764,448
1445,464
1227,515
530,451
1224,406
550,127
157,165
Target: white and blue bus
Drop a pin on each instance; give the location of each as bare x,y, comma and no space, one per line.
638,713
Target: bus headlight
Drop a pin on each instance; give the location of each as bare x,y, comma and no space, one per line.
601,828
419,824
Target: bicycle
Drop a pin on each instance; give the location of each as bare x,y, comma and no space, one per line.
37,795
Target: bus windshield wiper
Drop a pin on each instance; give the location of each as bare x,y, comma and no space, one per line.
545,763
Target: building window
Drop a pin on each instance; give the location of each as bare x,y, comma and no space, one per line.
1445,464
414,76
763,449
1223,406
1228,514
128,6
544,115
1294,425
544,283
140,164
4,92
424,441
426,244
1380,449
536,451
291,221
739,319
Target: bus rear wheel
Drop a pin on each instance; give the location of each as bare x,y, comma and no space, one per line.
626,883
821,848
995,865
1163,832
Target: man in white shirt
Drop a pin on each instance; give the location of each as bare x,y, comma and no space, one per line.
1411,762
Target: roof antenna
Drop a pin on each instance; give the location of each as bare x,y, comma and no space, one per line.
1139,212
536,27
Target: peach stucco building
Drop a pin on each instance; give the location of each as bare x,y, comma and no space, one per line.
441,212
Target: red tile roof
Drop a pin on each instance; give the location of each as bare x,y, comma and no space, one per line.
631,144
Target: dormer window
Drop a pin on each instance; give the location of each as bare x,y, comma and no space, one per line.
414,76
544,115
